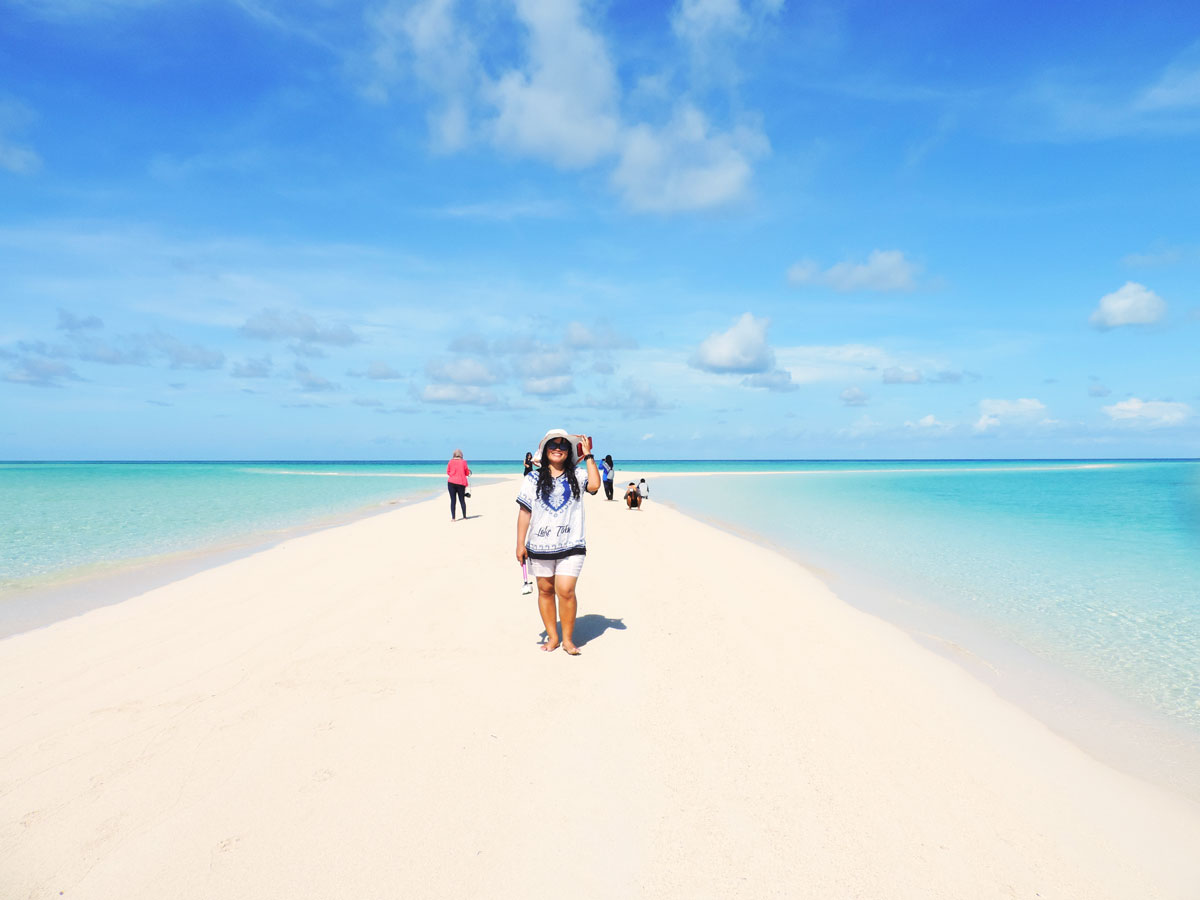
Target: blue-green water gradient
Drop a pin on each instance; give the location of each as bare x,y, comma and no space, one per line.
1095,567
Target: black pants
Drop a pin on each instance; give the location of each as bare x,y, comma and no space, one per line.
457,492
608,486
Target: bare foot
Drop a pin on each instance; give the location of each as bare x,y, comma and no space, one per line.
547,646
571,648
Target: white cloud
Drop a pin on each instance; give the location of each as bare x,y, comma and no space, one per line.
463,370
548,385
927,423
884,270
698,21
742,349
445,60
381,371
685,165
993,413
599,337
1132,304
774,380
276,324
310,381
41,373
562,103
1178,87
252,368
562,106
542,362
901,375
458,394
853,396
16,157
639,396
1149,413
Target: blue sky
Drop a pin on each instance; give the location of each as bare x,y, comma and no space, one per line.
707,228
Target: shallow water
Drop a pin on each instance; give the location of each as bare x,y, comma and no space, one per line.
1093,568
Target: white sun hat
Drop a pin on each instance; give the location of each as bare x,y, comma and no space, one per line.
572,456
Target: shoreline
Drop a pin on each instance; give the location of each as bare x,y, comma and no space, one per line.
1132,738
307,720
37,603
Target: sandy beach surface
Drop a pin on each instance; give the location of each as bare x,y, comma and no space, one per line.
364,712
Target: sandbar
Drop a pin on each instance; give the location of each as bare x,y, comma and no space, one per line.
363,711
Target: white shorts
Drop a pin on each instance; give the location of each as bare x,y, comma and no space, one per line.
570,566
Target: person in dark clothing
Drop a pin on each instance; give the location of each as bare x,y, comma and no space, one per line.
606,475
528,463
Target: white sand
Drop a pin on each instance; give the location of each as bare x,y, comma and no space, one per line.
363,712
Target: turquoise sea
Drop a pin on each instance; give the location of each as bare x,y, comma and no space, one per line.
64,520
1091,565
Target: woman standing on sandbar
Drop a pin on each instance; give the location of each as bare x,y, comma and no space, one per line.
457,474
550,531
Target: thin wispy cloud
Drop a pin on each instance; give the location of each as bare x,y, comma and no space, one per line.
1149,413
884,270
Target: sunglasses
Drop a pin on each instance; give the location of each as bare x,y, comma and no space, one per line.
564,446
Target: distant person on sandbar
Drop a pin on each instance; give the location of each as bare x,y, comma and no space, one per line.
550,533
632,498
528,463
457,475
606,474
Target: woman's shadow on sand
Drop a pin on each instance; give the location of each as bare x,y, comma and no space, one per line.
590,627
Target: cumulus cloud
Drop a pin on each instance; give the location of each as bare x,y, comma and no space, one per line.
900,375
462,370
1148,413
458,394
884,270
279,324
562,105
445,61
993,413
686,165
563,102
1132,304
853,396
742,349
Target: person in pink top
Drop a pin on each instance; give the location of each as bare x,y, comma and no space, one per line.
456,482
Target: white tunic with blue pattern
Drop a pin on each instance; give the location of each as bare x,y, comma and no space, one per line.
555,525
